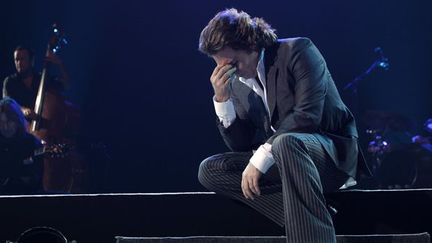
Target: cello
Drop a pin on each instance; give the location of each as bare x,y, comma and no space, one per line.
57,122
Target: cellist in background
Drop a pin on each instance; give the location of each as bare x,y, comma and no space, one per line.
23,85
59,119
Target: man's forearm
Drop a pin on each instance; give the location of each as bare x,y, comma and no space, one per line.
263,158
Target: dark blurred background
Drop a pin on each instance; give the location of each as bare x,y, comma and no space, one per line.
144,89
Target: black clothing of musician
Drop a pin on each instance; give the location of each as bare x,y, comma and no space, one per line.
14,87
20,173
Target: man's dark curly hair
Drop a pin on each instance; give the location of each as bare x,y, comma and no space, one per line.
235,29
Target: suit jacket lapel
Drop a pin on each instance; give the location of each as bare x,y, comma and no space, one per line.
271,76
253,104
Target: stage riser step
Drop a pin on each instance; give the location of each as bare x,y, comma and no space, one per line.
99,218
399,238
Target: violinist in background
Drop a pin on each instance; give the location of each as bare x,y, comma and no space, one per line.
20,171
23,85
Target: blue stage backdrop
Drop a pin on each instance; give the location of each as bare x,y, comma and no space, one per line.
144,89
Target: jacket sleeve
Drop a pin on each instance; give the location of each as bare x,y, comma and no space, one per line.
239,136
309,71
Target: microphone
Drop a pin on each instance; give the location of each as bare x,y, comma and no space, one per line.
383,61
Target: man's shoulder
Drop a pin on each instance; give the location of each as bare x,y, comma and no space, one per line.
294,43
286,49
11,78
10,81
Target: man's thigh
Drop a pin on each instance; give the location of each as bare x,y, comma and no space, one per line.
331,177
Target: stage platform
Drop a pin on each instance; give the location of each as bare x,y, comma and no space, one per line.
394,238
102,217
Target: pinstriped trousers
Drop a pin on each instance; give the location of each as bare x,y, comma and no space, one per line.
291,191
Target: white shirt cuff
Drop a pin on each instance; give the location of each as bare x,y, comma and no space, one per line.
263,158
225,111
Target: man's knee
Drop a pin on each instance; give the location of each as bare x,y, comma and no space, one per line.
208,167
286,142
218,166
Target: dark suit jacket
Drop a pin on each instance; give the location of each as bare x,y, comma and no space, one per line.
302,97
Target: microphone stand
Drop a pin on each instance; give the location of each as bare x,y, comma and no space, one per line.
381,62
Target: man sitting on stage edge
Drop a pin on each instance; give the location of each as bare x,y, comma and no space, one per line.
276,96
